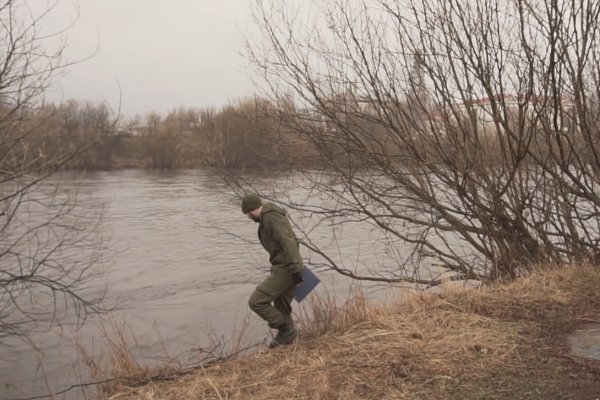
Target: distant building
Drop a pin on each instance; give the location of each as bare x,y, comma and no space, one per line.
485,112
508,107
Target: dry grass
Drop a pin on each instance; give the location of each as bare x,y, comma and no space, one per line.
499,342
321,315
119,360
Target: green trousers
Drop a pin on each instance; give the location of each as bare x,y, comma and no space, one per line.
279,290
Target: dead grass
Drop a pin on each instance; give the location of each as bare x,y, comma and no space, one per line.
497,342
322,314
118,360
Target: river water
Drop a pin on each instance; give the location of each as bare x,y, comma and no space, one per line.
180,260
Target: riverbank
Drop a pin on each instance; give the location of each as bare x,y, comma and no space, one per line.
496,342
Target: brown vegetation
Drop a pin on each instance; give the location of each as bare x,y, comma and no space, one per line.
497,342
244,134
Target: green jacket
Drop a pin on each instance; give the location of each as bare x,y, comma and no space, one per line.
277,237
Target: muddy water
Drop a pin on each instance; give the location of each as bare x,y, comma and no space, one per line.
180,260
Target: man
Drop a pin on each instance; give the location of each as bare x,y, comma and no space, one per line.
278,239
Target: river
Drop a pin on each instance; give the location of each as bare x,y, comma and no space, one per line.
180,260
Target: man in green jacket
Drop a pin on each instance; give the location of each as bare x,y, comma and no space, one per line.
277,237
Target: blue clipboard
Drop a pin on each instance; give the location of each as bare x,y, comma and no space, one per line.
310,282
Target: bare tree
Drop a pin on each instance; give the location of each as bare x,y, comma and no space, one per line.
44,275
465,129
247,134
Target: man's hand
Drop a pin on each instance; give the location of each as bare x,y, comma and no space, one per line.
297,278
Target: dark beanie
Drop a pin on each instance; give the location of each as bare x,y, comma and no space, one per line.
250,202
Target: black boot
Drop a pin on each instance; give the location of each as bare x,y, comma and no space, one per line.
285,335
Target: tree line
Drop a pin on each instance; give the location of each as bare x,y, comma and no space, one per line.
247,133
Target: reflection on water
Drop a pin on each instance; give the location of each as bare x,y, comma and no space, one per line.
175,260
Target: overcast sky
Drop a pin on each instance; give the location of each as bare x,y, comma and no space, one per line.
163,54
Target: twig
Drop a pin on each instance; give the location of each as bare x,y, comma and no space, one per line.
211,382
583,319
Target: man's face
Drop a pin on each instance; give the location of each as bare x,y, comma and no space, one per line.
254,215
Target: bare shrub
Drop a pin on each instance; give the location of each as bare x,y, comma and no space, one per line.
467,130
48,246
324,315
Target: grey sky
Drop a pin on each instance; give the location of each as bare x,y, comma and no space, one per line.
164,54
